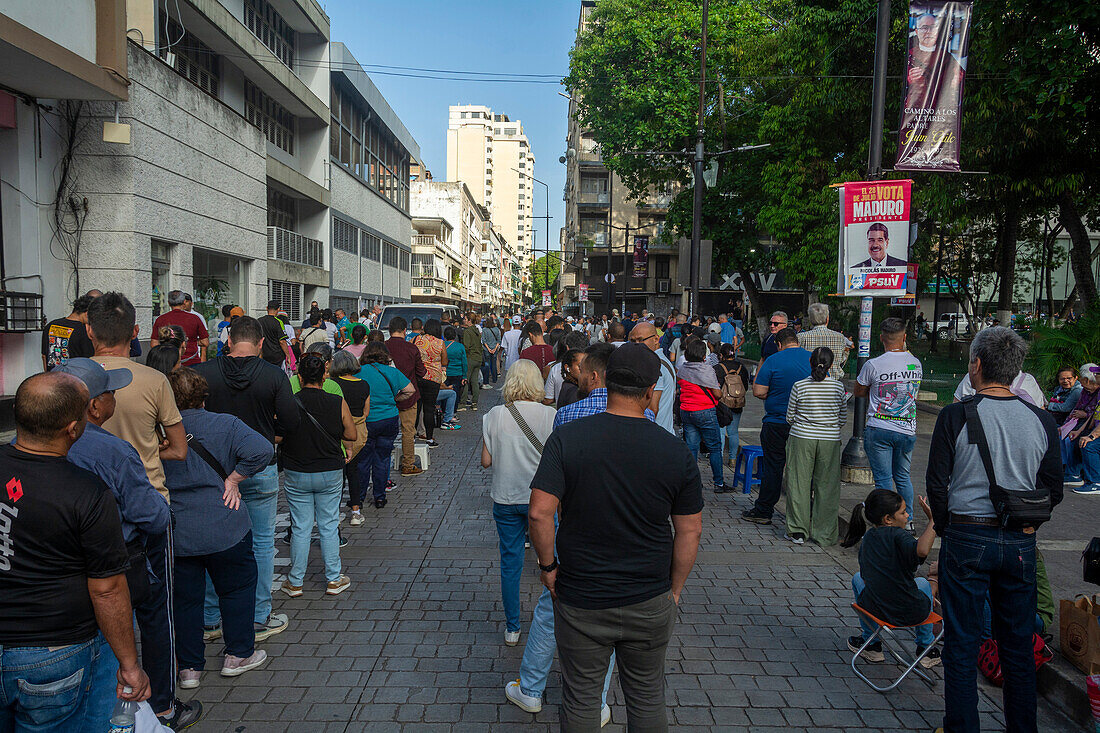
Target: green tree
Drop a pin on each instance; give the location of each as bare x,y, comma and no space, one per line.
544,270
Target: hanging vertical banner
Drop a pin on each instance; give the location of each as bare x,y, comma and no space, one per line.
582,292
545,298
931,108
874,238
641,255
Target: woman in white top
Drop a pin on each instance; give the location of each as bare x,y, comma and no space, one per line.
512,438
816,411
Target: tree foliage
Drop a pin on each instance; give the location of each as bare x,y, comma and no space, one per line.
797,75
545,269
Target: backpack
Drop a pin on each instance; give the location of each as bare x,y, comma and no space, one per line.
733,389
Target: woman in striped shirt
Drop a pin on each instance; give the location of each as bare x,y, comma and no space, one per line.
816,411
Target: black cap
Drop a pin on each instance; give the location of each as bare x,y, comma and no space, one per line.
633,365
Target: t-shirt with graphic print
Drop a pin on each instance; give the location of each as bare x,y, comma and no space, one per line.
894,381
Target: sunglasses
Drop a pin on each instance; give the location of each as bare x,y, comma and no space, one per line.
778,323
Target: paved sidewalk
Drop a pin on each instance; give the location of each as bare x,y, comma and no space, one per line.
416,644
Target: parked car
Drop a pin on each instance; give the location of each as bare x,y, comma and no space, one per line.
423,311
953,326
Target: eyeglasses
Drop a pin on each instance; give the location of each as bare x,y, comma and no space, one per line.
778,323
643,340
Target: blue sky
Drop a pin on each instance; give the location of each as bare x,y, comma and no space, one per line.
505,37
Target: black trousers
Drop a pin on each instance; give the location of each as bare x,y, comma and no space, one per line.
155,622
773,439
429,391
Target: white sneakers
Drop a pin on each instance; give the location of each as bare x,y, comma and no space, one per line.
531,704
511,638
356,519
189,679
234,666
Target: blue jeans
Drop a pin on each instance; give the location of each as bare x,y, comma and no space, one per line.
374,458
447,398
1090,462
890,453
314,497
511,521
1071,458
923,633
976,562
733,440
538,655
703,425
233,572
68,689
489,368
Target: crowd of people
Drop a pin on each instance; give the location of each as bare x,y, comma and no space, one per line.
174,468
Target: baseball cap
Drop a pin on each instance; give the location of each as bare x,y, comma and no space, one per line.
517,320
1090,371
714,338
97,379
633,365
715,328
236,312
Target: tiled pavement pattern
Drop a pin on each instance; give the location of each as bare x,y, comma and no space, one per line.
416,644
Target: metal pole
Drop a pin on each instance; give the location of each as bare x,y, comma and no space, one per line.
854,455
610,281
626,248
697,208
936,303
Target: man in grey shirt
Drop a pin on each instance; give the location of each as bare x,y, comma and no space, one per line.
981,559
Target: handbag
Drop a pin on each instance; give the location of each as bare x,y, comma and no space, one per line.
1015,509
723,412
1090,559
527,431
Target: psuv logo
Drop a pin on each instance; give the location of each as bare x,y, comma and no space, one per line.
877,281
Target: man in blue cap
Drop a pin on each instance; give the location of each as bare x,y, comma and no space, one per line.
145,518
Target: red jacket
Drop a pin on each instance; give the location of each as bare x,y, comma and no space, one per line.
406,357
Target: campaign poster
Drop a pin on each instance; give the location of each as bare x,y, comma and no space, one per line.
874,238
931,108
910,297
582,292
545,298
641,255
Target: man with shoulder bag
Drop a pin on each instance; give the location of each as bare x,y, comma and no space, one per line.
994,475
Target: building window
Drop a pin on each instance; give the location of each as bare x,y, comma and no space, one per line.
372,247
404,261
267,25
289,296
272,118
389,255
190,57
366,148
509,131
661,266
345,236
282,210
344,303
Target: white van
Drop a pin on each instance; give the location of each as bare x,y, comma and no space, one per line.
423,311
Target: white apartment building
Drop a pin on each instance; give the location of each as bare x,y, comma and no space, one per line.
491,154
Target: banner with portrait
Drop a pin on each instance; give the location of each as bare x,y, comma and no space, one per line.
582,292
545,298
931,107
641,255
874,238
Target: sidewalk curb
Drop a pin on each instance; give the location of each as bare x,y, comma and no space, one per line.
1058,681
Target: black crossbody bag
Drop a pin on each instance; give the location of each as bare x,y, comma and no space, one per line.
1015,509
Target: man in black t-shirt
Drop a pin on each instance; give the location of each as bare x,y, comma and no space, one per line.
622,567
67,338
275,348
63,592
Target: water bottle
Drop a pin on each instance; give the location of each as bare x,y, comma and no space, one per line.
124,716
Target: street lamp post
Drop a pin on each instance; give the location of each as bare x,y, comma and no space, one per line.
697,208
545,218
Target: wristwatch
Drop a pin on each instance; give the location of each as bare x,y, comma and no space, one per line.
549,568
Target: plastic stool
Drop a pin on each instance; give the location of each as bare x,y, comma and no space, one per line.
420,456
747,472
885,632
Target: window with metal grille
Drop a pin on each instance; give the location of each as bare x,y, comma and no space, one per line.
349,305
189,56
267,25
345,236
282,210
404,261
272,118
372,247
389,255
289,296
423,266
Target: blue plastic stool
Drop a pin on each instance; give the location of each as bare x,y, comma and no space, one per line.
747,472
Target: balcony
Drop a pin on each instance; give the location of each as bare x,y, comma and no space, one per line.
288,246
594,199
589,156
659,201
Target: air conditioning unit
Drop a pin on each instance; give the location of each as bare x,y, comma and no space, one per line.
663,285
